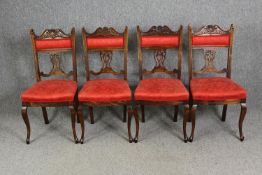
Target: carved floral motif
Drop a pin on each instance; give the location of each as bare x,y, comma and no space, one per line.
210,30
53,33
160,30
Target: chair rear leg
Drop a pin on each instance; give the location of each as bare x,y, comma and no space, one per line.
124,113
45,115
130,138
91,115
185,120
143,113
193,121
241,119
224,113
27,123
81,118
73,121
176,113
137,124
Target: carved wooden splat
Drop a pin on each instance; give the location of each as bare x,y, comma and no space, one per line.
106,58
160,57
56,62
209,67
55,59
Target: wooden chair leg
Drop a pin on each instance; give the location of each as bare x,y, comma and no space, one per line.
135,114
81,118
124,113
241,119
27,123
91,115
137,124
143,113
185,120
73,121
193,121
129,111
45,115
224,113
76,109
176,113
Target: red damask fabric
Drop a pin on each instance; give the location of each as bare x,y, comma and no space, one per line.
216,88
105,90
50,91
161,89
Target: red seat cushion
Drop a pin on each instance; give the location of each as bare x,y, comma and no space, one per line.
219,40
50,91
102,42
53,44
161,89
216,88
150,41
105,90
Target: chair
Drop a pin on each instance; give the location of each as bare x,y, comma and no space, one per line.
55,92
105,91
213,90
161,91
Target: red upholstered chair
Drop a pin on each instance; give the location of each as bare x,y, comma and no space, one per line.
111,91
161,91
55,92
213,90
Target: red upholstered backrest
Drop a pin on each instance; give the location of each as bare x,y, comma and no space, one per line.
151,41
211,40
105,42
45,44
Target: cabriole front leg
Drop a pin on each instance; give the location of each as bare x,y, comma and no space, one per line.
26,120
130,138
193,121
73,121
185,120
241,119
133,112
81,119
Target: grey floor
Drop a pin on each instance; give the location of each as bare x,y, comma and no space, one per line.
160,150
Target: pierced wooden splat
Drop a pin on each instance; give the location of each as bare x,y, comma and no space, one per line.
105,32
106,58
53,33
160,57
55,59
160,30
211,30
209,67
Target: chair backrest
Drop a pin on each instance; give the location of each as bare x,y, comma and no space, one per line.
209,38
159,39
54,42
105,40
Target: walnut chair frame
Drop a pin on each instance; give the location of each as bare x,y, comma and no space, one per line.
56,70
159,65
209,56
106,58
